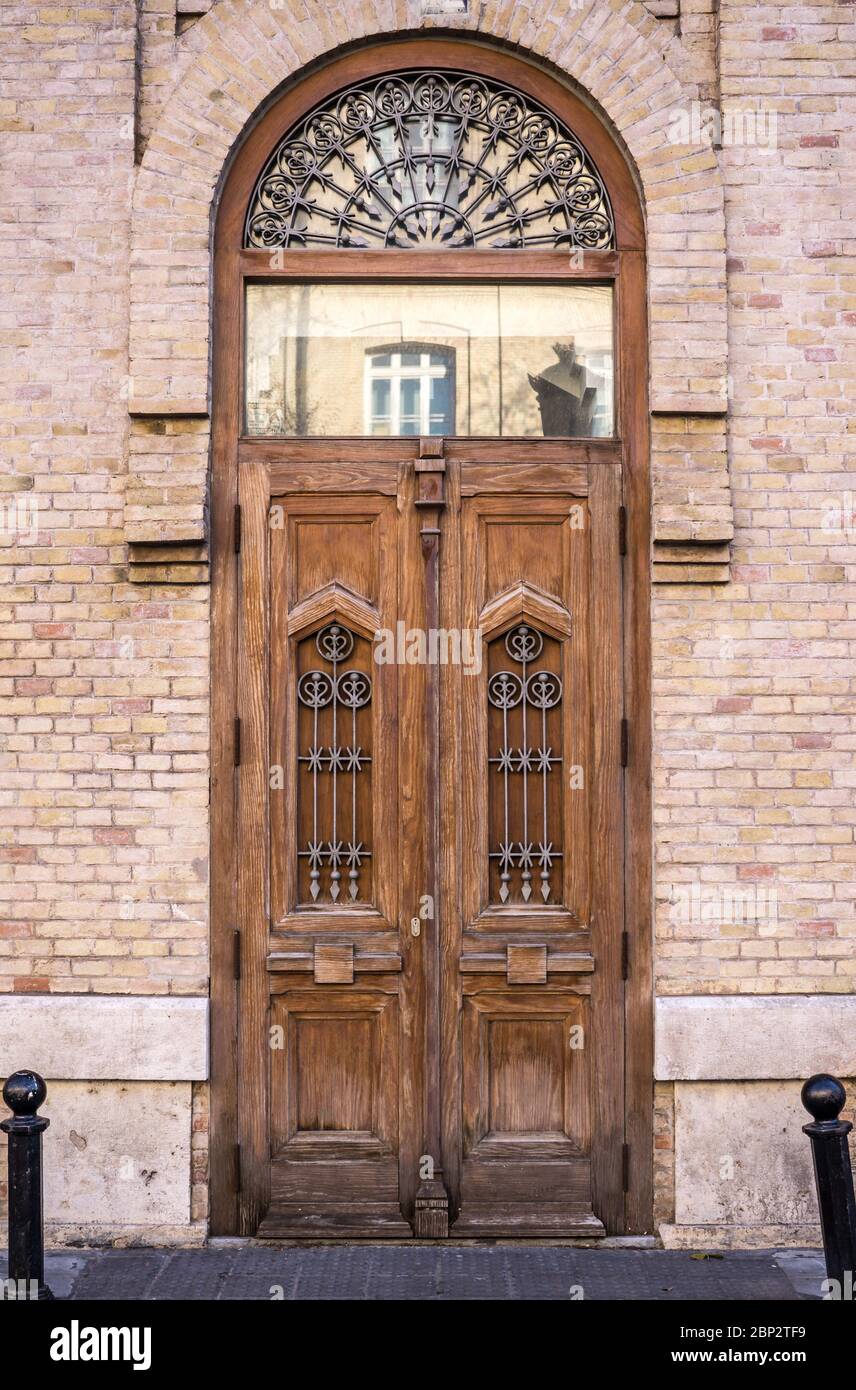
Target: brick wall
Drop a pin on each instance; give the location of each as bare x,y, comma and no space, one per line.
754,682
103,846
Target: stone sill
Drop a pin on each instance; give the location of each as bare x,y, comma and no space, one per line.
778,1037
69,1037
59,1235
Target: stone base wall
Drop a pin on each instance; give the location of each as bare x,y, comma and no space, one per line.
125,1153
733,1166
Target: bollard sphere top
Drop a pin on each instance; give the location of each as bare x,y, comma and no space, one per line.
24,1092
823,1097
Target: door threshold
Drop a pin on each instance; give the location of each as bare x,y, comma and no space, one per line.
539,1221
352,1223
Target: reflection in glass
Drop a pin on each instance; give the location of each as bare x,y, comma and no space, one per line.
403,392
464,359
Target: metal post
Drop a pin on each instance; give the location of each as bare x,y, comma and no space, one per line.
24,1092
823,1097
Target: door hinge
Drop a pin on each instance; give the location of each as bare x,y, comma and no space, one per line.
237,528
236,946
625,741
237,743
625,955
625,1168
622,530
238,1182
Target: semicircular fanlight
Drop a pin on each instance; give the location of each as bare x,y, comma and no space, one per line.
430,159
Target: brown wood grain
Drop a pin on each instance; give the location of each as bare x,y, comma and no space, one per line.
253,863
526,965
329,463
333,964
342,263
639,993
606,1042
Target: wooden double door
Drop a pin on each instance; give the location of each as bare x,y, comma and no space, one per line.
430,840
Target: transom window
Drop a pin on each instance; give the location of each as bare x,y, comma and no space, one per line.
414,359
430,159
410,390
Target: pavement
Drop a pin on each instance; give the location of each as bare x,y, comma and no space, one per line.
233,1270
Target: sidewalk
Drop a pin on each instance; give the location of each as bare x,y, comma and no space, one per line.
235,1270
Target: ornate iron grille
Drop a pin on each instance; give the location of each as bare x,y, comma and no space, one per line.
336,696
524,697
430,159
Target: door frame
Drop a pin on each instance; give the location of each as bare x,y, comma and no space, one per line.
232,1213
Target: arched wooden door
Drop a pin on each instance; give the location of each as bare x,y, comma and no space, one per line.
429,454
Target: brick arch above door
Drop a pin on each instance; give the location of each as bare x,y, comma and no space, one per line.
243,52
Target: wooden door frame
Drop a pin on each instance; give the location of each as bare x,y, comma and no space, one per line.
625,268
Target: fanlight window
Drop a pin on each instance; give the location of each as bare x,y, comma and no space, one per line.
430,159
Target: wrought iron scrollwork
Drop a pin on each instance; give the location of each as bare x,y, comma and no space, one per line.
345,692
535,693
434,159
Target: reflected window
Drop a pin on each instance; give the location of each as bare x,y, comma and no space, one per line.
410,391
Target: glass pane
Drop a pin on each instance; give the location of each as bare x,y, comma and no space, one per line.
380,397
410,397
511,360
441,419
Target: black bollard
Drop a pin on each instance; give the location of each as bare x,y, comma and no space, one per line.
24,1092
823,1097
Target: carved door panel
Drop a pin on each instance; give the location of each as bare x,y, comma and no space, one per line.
429,865
331,1001
531,888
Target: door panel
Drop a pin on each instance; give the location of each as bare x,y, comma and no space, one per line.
430,861
335,1113
532,908
334,583
339,981
523,584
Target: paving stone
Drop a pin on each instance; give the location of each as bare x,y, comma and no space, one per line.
806,1269
193,1274
120,1274
444,1274
62,1271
